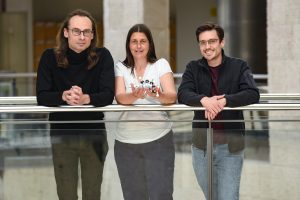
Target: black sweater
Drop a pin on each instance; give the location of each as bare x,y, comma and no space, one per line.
97,82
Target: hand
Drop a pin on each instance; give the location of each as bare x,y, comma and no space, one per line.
222,101
75,96
69,97
213,105
77,90
209,116
138,92
155,94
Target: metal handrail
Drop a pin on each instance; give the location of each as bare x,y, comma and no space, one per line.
33,75
118,108
18,100
18,75
255,76
31,100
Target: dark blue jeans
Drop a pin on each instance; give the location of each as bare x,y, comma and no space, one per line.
146,170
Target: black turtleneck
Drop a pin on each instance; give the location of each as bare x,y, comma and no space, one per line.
98,82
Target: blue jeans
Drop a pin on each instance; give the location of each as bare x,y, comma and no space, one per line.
227,168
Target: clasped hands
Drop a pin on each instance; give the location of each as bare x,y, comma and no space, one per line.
74,96
213,105
140,92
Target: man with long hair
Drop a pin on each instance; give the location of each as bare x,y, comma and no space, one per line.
77,73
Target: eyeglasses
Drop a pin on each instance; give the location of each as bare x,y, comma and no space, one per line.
203,43
86,32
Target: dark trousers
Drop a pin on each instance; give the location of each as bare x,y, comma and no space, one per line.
68,151
146,170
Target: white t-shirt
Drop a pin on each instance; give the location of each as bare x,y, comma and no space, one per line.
144,130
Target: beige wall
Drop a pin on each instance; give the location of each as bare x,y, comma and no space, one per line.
283,46
118,20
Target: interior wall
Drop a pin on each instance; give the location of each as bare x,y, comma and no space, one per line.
244,23
19,40
13,36
188,17
56,10
24,7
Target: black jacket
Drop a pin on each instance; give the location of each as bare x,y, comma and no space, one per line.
235,81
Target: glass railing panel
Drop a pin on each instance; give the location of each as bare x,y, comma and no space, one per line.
270,164
13,84
271,167
26,164
184,181
27,155
27,158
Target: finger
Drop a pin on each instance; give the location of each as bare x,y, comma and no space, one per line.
208,117
132,88
212,117
220,107
68,97
220,96
214,110
78,91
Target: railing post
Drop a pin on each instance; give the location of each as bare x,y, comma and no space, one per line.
210,160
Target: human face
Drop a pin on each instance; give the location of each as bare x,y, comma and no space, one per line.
81,42
211,47
139,45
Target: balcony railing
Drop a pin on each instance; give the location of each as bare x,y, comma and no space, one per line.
271,148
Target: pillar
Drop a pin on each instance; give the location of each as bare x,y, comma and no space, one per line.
283,28
120,15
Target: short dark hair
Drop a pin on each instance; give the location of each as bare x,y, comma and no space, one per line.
208,26
151,56
62,42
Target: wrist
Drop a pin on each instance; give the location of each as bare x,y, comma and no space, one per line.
202,100
134,95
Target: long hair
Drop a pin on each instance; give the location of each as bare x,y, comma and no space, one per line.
151,55
62,42
208,26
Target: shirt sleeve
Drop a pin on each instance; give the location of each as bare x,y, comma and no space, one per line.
163,67
119,69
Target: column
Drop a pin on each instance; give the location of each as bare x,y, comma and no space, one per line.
283,28
120,15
